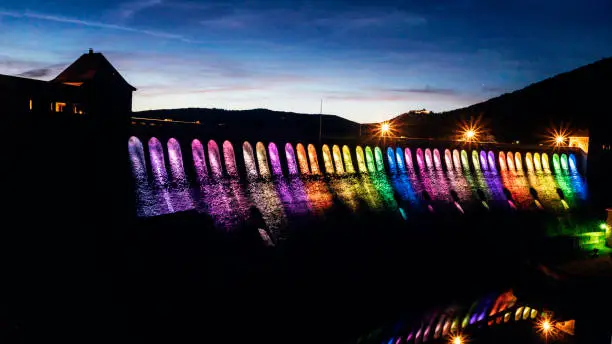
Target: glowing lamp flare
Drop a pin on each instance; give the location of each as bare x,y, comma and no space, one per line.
559,140
458,339
385,127
470,134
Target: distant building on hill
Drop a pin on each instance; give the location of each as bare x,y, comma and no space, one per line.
420,112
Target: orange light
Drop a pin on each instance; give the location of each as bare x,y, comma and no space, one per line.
471,131
385,128
559,140
458,339
558,137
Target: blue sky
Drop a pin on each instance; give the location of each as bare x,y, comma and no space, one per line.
368,60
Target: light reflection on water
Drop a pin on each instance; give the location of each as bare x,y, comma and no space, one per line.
287,199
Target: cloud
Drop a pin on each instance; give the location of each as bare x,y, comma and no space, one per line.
94,24
494,89
127,10
426,90
37,73
362,20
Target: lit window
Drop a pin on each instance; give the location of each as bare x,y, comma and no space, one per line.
30,104
59,107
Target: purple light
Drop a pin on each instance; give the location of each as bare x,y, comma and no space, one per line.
420,159
175,158
483,161
291,163
215,159
408,156
492,165
158,164
274,159
199,160
428,159
137,158
437,160
230,159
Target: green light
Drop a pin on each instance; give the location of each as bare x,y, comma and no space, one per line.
603,226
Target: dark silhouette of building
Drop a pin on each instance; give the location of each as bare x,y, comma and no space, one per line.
89,86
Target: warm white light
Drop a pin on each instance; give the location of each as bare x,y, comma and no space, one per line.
470,134
385,127
546,326
457,340
559,140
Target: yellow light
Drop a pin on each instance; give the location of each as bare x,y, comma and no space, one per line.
470,131
558,137
559,140
546,326
385,128
456,340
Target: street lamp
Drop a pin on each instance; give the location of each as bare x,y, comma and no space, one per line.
458,339
547,328
385,128
470,134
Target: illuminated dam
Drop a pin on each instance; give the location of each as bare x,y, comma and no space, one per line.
291,180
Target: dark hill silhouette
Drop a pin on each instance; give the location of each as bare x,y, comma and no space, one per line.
261,123
573,98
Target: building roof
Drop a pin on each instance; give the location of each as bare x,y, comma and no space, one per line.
88,67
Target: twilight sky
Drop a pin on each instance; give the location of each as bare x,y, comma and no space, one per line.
368,60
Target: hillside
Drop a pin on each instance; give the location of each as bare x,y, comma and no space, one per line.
261,123
573,98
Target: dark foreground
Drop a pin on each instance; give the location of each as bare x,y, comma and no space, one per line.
178,279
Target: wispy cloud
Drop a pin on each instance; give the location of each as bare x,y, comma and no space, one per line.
128,9
427,90
37,73
94,24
